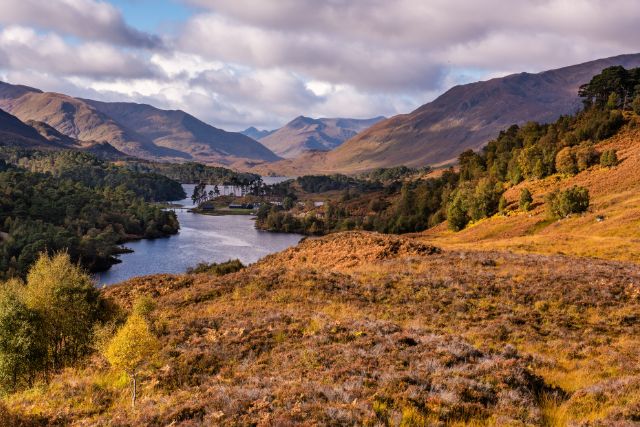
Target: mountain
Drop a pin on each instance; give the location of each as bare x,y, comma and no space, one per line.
135,129
305,134
464,117
179,131
13,132
255,133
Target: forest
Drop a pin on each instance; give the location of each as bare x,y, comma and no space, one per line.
76,203
95,173
474,189
192,173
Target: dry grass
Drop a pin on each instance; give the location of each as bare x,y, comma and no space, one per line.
394,333
615,195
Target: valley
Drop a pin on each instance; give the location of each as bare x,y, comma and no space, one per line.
473,263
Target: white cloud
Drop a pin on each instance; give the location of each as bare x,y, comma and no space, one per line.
88,19
24,48
237,63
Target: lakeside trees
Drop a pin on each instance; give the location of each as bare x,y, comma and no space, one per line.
40,212
94,173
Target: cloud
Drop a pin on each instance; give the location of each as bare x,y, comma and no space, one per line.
23,48
236,63
87,19
407,45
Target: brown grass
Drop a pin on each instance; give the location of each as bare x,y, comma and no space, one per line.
359,328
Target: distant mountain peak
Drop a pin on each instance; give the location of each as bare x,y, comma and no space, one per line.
306,134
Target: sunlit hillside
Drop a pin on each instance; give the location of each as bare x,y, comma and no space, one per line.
610,229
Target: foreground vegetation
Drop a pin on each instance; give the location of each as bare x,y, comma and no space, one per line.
361,328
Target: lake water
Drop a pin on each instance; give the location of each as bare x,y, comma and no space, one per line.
202,238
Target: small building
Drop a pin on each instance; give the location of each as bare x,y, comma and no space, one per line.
240,206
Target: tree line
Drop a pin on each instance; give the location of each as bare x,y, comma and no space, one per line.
475,191
43,212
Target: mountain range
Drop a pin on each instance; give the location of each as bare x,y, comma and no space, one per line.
304,134
465,117
135,129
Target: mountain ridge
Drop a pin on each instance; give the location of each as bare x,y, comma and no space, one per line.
464,117
177,137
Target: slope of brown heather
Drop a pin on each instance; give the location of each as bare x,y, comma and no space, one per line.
364,329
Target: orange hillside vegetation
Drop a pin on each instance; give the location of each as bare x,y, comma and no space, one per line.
615,195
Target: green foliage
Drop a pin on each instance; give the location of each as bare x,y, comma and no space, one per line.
217,269
457,216
23,351
324,183
192,173
94,173
65,295
635,105
393,174
47,323
571,160
144,306
561,204
472,203
609,159
615,87
526,199
41,212
132,345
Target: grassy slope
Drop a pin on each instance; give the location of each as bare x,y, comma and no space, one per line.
371,329
615,194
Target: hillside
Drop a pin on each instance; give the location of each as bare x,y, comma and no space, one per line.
13,132
464,117
135,129
179,131
614,197
361,328
305,134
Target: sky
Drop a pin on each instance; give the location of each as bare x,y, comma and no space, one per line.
241,63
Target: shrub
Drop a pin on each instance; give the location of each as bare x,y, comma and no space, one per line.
609,159
566,161
457,213
561,204
526,199
23,348
66,298
586,156
217,269
635,105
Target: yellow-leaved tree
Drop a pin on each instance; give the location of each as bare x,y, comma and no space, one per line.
131,347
